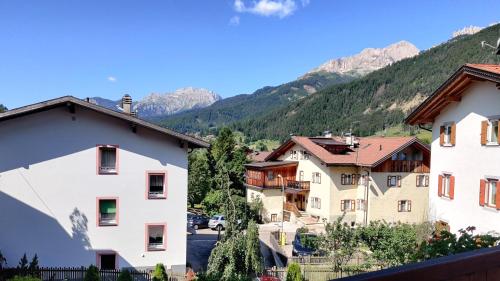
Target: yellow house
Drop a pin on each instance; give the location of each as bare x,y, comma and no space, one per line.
364,179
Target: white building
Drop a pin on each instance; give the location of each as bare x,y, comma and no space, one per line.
465,161
363,179
81,184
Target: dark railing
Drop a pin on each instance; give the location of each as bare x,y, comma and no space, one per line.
301,185
479,265
409,166
78,274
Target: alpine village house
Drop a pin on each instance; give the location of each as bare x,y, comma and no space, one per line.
363,179
465,170
81,184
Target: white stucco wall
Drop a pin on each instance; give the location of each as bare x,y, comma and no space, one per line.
271,201
48,174
468,160
321,190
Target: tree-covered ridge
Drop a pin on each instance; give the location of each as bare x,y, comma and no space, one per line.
243,107
376,101
2,108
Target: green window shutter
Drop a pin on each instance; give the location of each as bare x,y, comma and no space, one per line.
107,206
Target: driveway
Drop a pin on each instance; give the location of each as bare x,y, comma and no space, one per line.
199,245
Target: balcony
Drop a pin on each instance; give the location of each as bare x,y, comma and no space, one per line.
298,185
409,166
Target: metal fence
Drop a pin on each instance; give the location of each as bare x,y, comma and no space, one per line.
310,273
78,274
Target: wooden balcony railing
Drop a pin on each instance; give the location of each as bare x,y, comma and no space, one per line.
300,185
409,166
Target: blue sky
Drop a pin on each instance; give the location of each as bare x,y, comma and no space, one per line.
106,48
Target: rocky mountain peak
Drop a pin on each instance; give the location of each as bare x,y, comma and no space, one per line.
369,59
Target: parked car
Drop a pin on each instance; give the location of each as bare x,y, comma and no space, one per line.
268,278
198,221
217,222
305,244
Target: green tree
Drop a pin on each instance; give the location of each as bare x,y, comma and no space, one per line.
2,108
294,273
33,264
25,278
23,263
340,242
253,257
3,260
125,275
390,244
446,243
160,274
199,178
92,274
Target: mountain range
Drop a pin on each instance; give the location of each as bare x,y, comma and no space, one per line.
366,103
270,98
165,104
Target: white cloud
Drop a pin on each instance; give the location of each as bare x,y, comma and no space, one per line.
112,79
279,8
234,21
305,2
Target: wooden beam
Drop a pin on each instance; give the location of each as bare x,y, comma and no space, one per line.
454,99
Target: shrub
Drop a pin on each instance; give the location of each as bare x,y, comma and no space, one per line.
160,274
24,278
92,274
124,276
293,273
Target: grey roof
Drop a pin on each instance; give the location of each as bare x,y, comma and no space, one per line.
270,164
69,100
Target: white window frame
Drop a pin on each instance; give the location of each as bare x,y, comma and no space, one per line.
446,185
447,134
361,204
347,205
490,192
316,177
424,182
301,175
404,206
490,131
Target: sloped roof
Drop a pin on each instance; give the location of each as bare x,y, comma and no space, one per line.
259,156
370,152
452,91
71,101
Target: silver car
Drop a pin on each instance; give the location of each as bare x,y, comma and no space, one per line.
217,222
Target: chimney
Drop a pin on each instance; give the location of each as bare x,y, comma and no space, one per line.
127,104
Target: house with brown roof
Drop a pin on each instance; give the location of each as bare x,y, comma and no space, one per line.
364,179
464,113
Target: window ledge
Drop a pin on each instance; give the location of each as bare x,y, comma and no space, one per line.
157,197
447,145
107,224
446,198
492,144
156,249
490,208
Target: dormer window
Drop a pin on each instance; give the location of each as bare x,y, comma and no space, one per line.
107,159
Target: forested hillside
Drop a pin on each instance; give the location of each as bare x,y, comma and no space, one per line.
381,99
242,107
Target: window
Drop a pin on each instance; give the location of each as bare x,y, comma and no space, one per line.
446,186
422,180
315,202
107,260
447,134
316,177
361,204
155,234
305,155
293,154
301,175
107,211
489,132
274,217
491,193
270,175
404,206
107,159
394,181
156,185
347,205
350,179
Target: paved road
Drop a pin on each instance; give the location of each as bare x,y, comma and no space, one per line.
199,246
